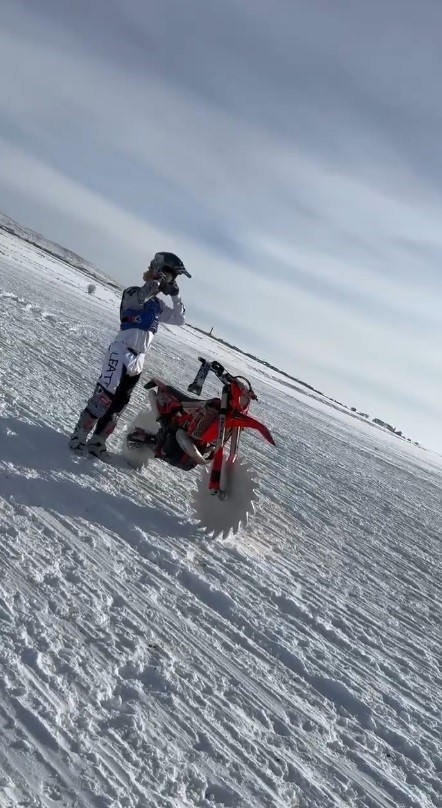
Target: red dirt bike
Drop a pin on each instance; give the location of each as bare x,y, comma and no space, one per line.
188,432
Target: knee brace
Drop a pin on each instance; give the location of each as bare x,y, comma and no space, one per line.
99,402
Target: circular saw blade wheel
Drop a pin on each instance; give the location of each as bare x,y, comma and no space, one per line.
217,517
139,457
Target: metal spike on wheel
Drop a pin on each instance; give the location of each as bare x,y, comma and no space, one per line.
218,516
139,456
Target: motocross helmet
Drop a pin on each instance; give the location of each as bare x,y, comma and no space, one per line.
169,263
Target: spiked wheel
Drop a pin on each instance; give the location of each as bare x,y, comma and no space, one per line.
135,452
218,516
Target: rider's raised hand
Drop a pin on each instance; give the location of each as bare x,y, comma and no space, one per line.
174,289
168,287
153,275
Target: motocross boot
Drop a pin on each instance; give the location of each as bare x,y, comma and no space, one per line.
84,425
96,445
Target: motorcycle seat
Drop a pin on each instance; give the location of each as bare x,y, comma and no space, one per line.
184,397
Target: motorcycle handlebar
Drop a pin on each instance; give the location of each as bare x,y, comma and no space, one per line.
218,369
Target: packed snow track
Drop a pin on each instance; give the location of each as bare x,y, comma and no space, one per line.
144,665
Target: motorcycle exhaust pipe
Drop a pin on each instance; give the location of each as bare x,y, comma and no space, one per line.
152,396
188,446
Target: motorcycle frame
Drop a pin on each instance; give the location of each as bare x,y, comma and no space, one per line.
233,418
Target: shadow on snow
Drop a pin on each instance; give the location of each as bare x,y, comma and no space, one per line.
38,470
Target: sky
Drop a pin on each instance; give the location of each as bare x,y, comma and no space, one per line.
288,150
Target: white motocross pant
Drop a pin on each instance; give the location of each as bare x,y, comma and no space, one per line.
118,361
112,391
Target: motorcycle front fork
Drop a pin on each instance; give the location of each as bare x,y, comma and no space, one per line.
219,460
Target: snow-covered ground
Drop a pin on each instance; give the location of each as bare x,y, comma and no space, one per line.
298,664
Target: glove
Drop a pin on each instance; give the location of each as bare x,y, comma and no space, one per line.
169,287
174,289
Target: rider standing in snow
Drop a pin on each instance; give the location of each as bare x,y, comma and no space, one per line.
140,314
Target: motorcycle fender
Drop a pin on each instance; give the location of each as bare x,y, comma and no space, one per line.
247,422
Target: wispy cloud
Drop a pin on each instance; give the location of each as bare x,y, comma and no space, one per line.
291,155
